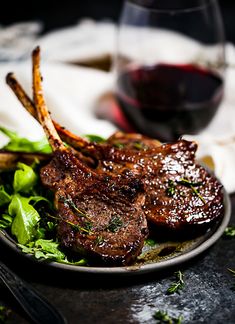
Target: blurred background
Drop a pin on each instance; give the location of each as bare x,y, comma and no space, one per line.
57,13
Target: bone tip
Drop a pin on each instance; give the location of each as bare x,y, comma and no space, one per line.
36,51
10,79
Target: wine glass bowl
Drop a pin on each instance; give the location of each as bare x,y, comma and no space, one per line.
169,66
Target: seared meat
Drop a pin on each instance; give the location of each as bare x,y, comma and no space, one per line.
133,141
99,215
179,194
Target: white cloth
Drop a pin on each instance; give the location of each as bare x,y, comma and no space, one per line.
72,92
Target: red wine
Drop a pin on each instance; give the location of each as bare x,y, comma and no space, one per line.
167,101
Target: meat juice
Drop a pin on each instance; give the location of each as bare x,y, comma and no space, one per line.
166,101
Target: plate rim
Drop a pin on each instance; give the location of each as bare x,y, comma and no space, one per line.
132,269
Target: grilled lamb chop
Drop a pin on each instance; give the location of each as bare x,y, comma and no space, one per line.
99,215
179,193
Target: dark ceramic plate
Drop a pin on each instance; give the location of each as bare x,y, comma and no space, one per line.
160,256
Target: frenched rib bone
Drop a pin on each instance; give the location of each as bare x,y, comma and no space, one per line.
180,195
100,216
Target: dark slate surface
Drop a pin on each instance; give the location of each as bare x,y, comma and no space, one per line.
207,297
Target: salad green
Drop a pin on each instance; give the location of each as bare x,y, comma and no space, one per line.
26,214
17,143
26,211
4,313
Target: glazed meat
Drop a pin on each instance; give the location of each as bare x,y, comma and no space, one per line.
179,194
133,141
100,216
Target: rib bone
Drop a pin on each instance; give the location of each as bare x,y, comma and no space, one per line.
100,215
68,137
169,174
40,104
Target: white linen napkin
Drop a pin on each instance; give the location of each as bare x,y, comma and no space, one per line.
72,93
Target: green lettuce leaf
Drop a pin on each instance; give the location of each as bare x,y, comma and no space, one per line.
35,199
25,221
24,179
21,144
5,198
5,221
44,249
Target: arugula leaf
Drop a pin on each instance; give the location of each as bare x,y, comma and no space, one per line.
21,144
24,179
26,219
5,198
6,221
95,138
51,226
36,199
48,249
20,216
40,233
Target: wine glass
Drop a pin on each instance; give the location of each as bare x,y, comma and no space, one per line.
169,66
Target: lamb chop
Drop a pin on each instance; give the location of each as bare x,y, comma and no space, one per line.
99,215
179,193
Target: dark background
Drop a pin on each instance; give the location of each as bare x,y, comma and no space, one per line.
57,13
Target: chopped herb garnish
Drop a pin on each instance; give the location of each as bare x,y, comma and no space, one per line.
233,273
185,181
95,138
85,229
114,224
71,204
119,145
178,285
171,189
229,232
4,313
163,317
99,240
150,242
138,145
87,226
192,185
